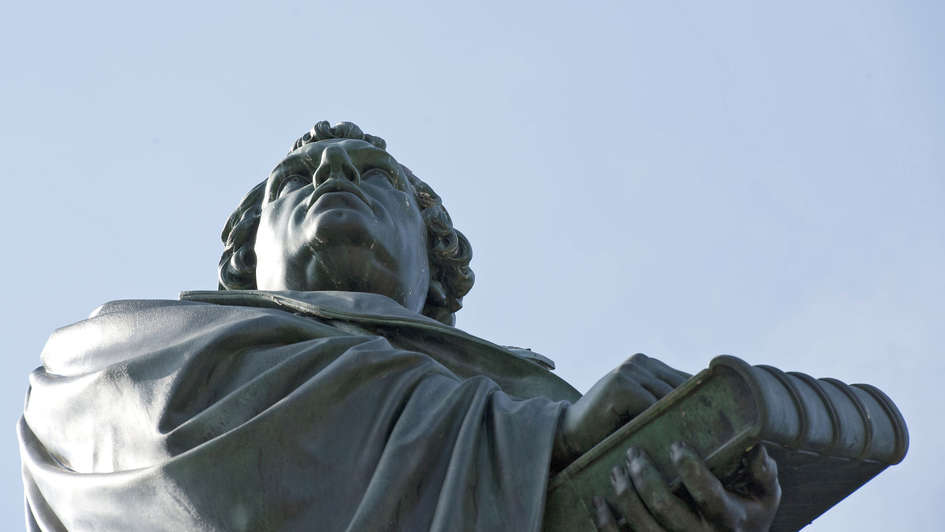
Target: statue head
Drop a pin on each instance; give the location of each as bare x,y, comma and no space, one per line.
339,213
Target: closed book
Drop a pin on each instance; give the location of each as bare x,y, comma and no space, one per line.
828,439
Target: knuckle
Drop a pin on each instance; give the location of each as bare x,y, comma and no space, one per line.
621,487
635,360
767,475
620,386
714,499
737,520
610,379
660,502
771,468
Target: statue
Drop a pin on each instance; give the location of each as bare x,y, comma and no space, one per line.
323,386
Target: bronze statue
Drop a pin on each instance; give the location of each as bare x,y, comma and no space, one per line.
323,387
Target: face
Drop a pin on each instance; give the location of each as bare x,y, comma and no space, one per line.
340,214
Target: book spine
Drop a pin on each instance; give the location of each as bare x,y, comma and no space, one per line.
826,416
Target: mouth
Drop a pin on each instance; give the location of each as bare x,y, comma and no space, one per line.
335,185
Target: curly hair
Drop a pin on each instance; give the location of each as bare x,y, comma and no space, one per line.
448,250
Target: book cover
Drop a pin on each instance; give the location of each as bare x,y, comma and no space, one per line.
827,438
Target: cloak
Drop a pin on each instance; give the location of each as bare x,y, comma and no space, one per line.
252,410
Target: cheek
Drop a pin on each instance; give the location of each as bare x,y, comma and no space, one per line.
272,238
269,226
421,238
416,229
276,221
264,247
412,232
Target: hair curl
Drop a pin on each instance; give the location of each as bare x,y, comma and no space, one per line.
448,250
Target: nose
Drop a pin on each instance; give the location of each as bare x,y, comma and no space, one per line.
335,163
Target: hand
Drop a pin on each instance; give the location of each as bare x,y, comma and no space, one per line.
646,504
608,405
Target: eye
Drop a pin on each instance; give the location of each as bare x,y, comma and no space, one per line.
378,174
291,184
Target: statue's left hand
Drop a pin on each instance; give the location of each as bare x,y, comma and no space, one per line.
646,504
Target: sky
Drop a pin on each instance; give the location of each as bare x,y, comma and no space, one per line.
680,179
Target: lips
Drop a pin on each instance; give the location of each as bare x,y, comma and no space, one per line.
341,187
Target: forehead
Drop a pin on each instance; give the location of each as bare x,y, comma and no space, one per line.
360,152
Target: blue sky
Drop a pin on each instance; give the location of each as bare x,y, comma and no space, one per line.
675,178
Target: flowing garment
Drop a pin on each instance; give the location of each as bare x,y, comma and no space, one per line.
252,410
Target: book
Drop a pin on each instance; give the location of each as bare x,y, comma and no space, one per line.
827,438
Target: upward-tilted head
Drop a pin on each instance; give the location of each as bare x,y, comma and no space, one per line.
339,213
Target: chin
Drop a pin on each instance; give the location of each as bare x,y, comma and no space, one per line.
357,266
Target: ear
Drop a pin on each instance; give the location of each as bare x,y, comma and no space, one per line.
436,293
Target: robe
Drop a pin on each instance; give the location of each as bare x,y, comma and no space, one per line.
253,410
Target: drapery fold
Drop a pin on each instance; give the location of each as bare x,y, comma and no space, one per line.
284,411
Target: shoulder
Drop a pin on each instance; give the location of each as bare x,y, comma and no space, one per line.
134,305
119,331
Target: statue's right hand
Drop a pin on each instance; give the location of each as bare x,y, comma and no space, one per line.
610,403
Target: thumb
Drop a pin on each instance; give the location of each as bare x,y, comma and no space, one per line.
764,473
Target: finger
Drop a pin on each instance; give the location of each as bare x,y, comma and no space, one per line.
669,510
645,377
629,504
706,490
632,398
603,516
764,473
672,376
